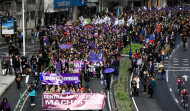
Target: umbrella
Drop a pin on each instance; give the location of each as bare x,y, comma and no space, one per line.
109,70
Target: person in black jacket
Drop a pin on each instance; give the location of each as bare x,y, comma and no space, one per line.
16,64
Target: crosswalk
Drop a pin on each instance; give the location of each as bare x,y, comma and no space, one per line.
180,62
165,62
175,63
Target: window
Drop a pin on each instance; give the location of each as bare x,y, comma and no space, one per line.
30,1
32,14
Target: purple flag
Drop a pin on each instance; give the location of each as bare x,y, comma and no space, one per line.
57,66
92,44
83,40
96,58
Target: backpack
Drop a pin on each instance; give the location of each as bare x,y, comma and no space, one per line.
134,83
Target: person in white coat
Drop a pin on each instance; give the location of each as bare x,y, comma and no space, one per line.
135,86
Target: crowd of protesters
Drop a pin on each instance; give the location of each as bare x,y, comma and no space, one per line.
159,28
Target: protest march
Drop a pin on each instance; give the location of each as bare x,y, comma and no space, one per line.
74,53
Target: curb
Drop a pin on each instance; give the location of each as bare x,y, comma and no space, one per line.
111,94
6,87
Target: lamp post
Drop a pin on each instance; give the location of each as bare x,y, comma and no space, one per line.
130,40
23,23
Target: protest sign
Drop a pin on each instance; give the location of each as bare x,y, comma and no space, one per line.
59,79
78,65
83,101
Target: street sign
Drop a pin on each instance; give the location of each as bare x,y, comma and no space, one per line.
185,76
58,4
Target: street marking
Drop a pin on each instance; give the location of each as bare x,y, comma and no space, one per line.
170,89
179,70
24,103
185,76
135,104
21,97
185,64
176,64
185,61
175,61
130,82
176,101
166,64
131,94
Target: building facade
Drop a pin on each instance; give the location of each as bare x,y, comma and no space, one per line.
33,12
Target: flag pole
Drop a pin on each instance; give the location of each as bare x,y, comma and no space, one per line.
23,23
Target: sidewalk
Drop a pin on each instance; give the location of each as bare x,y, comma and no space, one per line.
6,81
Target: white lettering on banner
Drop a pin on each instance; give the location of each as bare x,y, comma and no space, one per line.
70,102
49,78
49,102
70,78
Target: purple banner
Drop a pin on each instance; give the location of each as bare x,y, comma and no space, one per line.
66,46
59,79
95,58
78,65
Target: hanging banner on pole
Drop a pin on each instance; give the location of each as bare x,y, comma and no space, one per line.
7,26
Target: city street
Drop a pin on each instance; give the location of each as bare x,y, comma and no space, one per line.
95,55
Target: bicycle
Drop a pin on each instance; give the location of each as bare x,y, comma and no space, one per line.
185,101
180,87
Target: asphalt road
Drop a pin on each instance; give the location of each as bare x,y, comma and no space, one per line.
12,93
179,67
164,100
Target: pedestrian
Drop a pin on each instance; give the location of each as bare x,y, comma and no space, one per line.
150,68
36,75
108,80
145,79
27,73
161,71
20,40
33,36
139,64
153,87
32,93
90,70
18,80
11,64
134,87
5,106
16,64
98,68
4,66
163,53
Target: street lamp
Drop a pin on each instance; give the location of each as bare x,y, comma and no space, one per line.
23,23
